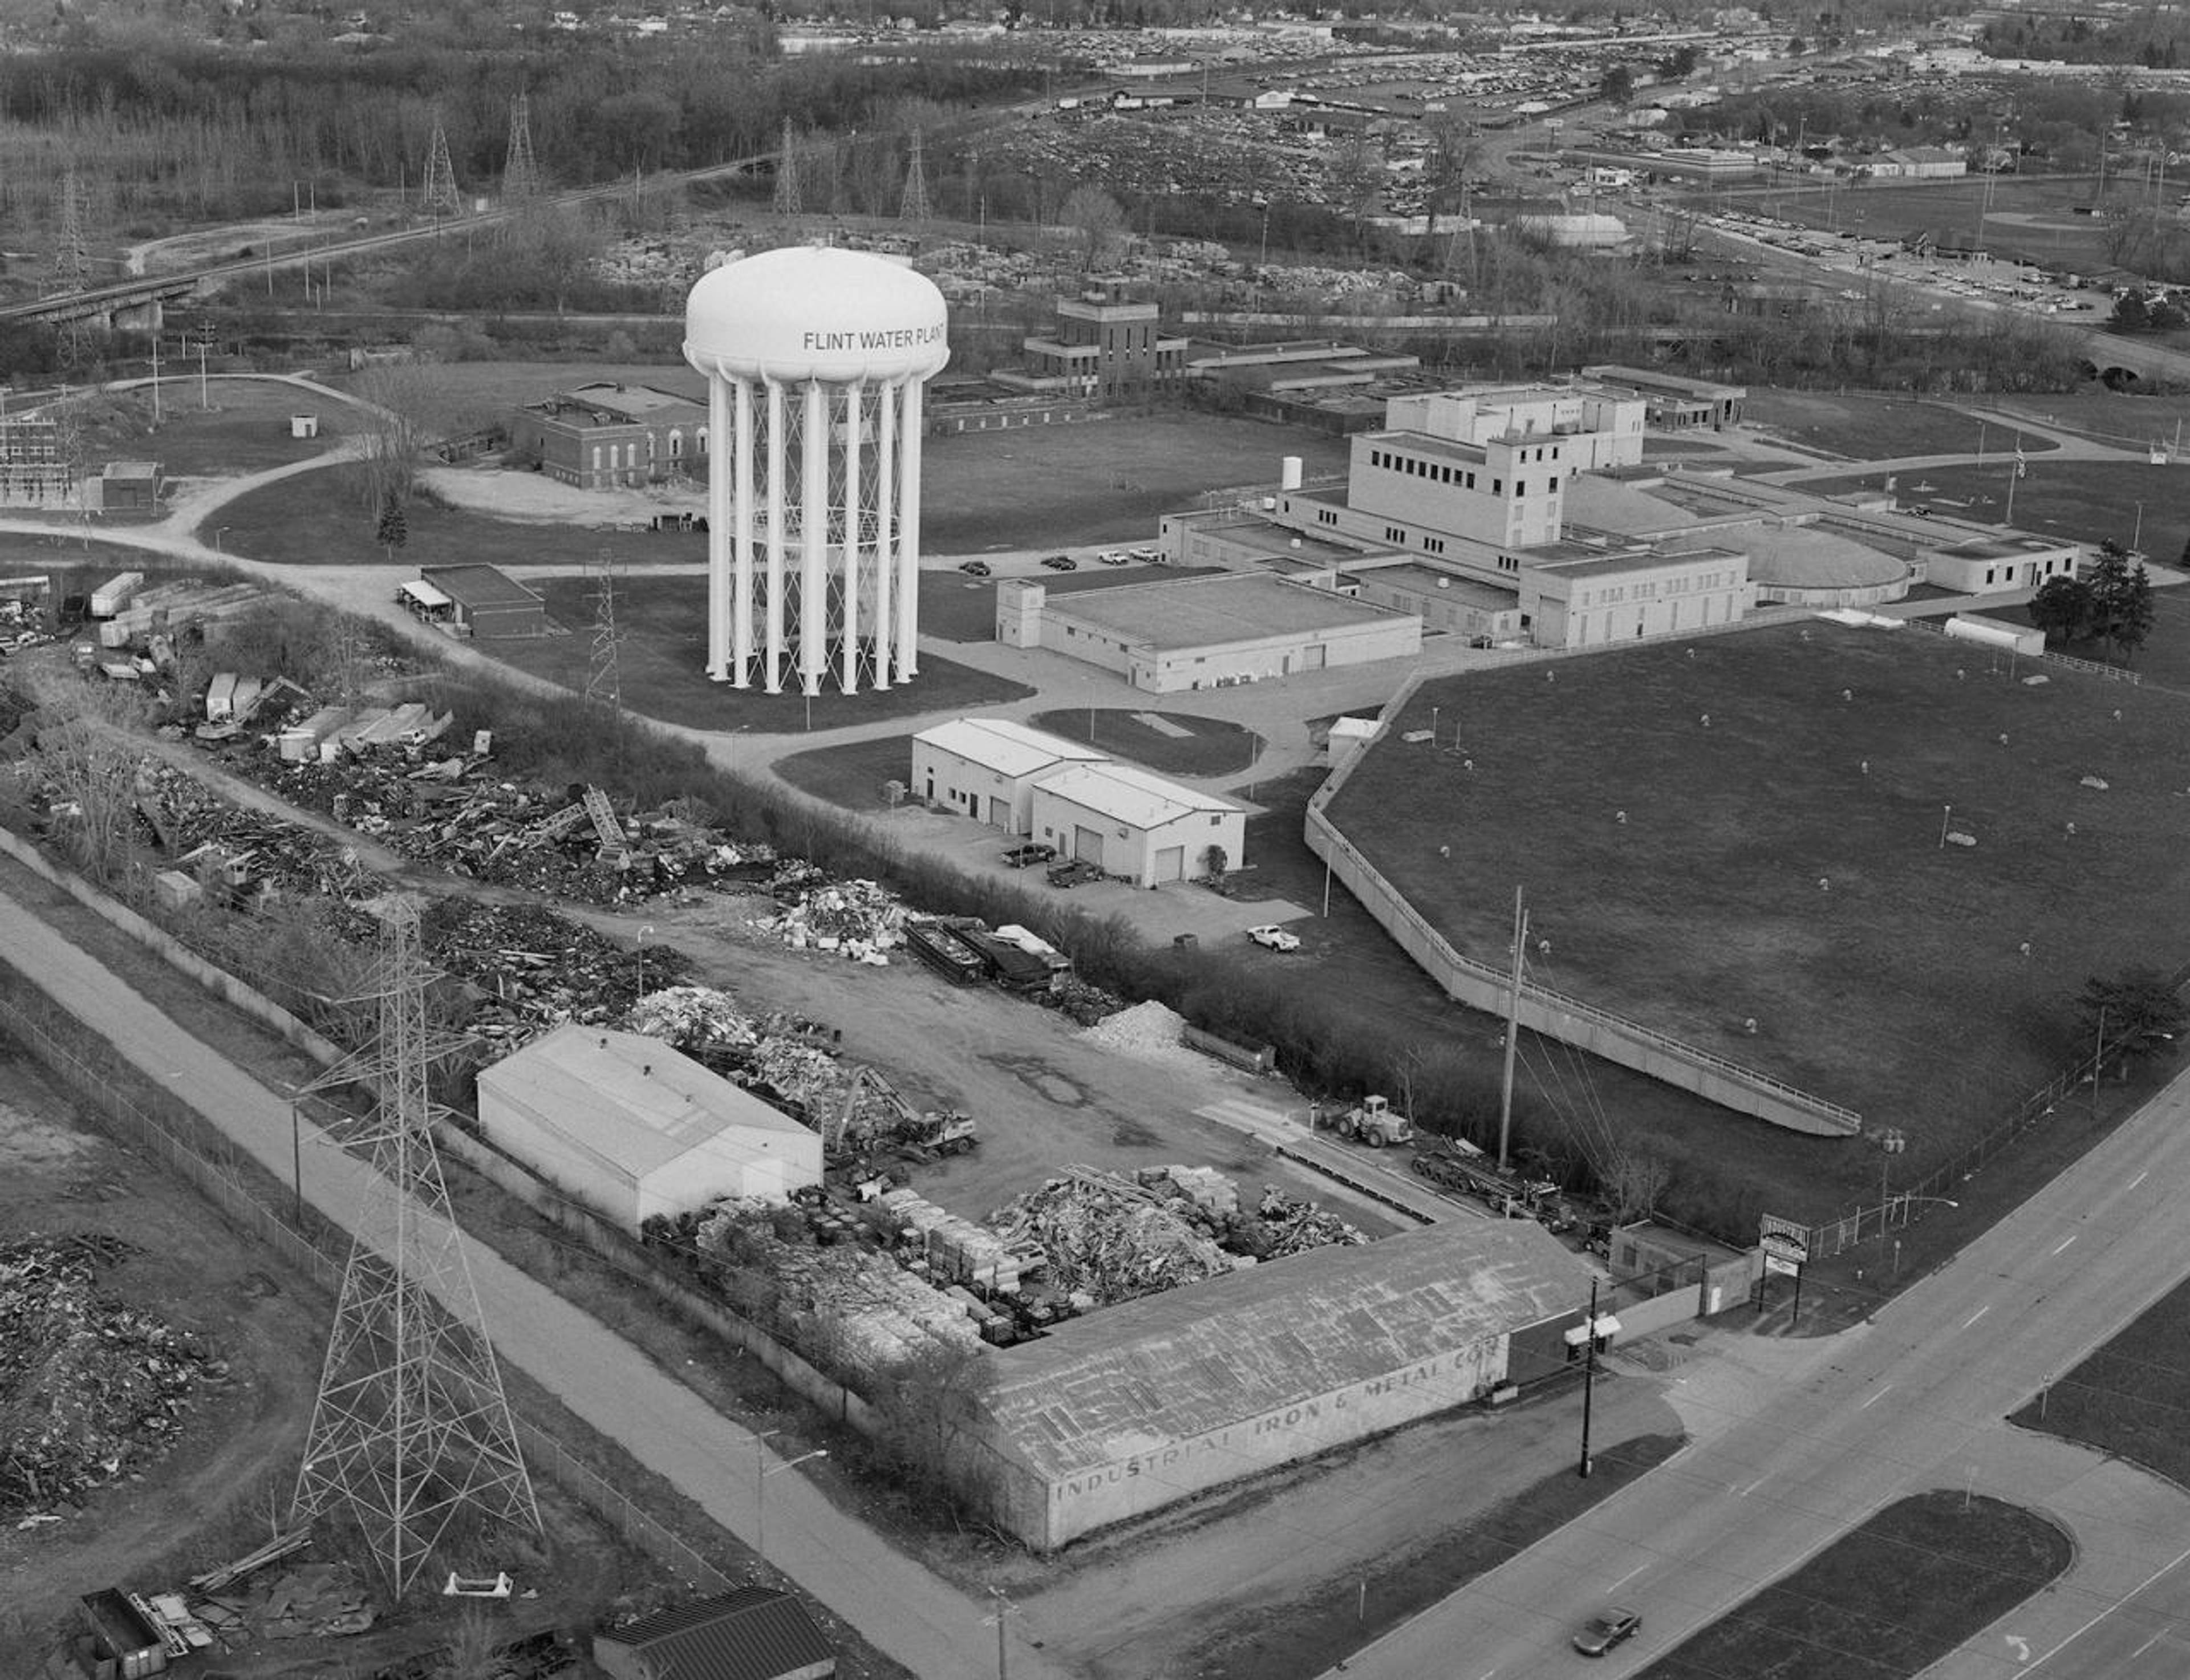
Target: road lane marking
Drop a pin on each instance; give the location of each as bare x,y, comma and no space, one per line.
2140,1178
1874,1398
1974,1316
1743,1493
1630,1575
2120,1602
2148,1645
2065,1242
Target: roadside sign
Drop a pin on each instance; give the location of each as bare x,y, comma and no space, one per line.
1787,1240
1773,1263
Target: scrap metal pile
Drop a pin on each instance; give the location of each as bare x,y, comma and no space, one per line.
783,1056
864,1306
184,815
90,1389
457,814
530,967
856,919
1107,1237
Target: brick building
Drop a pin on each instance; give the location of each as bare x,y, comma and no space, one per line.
602,435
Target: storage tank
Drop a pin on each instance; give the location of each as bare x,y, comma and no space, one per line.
815,358
1289,473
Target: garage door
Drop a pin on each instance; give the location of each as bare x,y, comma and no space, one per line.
1171,863
1000,812
1087,844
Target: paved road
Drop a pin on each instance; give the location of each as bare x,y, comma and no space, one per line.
1913,1401
913,1615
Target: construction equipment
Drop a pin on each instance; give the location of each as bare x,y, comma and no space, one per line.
888,1122
1453,1164
1375,1122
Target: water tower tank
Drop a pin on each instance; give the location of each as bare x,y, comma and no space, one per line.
814,359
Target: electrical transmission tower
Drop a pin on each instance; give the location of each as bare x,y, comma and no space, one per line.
71,270
787,200
604,672
412,1431
440,197
520,174
914,208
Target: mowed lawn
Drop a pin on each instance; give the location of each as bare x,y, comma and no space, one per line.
2030,217
1098,482
246,429
1878,427
2079,501
1762,874
1886,1600
661,624
1182,747
2128,1398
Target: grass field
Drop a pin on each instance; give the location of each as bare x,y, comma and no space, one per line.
957,607
246,429
1886,1601
1211,746
2031,217
2165,659
1043,486
2081,500
1704,909
1108,481
662,662
2131,1397
1877,428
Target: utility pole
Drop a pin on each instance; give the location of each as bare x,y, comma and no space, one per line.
2098,1056
520,174
915,208
156,379
1588,1380
1513,1029
440,197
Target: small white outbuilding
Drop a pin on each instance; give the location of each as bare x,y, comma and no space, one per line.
634,1128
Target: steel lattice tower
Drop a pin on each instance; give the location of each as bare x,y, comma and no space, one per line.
788,202
411,1429
520,174
439,196
914,208
604,675
71,270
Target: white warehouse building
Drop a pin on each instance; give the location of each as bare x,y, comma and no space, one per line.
987,768
1134,824
632,1127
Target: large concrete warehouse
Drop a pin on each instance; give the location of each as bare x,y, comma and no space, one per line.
1118,1414
631,1127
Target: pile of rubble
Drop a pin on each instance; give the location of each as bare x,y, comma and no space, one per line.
528,967
872,1311
1285,1224
202,832
456,813
856,919
1083,1001
1104,1239
89,1388
1148,1032
783,1056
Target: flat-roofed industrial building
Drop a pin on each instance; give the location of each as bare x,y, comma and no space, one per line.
987,767
1118,1414
1203,632
1134,824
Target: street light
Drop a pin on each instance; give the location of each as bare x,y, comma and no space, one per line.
760,1493
641,942
217,548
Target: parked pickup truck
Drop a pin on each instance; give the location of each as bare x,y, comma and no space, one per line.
1071,871
1032,852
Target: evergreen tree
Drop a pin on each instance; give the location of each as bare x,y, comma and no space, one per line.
394,530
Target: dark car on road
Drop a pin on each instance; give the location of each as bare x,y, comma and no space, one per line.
974,568
1608,1627
1033,852
1062,562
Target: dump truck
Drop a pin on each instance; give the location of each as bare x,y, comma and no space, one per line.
1375,1122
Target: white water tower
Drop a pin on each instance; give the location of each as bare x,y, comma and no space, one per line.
814,359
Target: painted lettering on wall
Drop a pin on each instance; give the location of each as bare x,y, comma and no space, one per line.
1446,1380
875,339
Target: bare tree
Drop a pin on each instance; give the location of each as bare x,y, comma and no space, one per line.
1095,217
86,751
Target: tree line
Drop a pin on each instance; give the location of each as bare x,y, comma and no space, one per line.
190,130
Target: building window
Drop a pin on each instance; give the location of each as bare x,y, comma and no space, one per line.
1471,480
1520,488
1497,486
677,445
597,458
1552,488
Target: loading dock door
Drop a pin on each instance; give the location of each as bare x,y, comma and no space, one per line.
1313,657
1171,863
1087,844
1000,812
